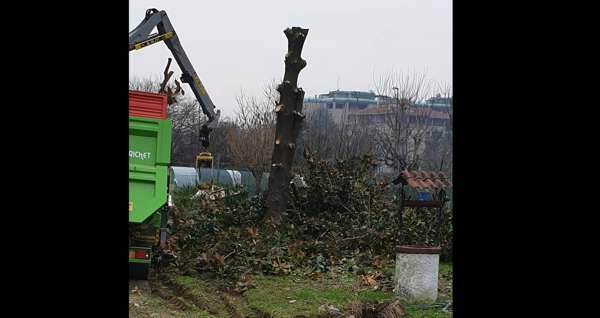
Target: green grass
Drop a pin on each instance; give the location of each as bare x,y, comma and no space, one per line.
427,313
272,295
445,269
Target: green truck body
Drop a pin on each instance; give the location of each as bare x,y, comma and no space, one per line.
149,159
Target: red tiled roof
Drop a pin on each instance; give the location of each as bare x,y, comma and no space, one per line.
420,179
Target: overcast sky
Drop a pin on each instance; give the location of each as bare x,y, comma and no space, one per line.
240,44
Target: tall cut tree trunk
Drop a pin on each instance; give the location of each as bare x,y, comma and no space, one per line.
289,122
257,180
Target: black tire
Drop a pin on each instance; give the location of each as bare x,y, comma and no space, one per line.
138,271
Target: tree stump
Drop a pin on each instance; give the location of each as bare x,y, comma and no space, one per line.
289,123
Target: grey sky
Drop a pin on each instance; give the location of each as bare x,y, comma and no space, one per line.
237,45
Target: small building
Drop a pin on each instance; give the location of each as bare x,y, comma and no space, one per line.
438,103
340,103
348,100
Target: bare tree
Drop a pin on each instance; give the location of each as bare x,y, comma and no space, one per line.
186,120
145,84
438,149
404,127
353,140
318,134
328,140
250,143
218,146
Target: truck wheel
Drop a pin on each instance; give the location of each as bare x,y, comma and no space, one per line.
138,271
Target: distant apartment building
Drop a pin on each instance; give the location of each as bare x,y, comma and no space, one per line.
438,103
429,119
340,103
375,112
369,109
379,116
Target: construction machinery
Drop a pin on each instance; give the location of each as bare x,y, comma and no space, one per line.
140,38
150,145
204,160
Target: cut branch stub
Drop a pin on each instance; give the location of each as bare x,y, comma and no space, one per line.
293,60
299,115
286,85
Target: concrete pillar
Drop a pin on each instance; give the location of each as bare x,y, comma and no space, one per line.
416,275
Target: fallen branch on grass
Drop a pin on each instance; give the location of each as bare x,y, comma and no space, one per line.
353,238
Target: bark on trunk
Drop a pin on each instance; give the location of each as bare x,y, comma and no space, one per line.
257,179
289,122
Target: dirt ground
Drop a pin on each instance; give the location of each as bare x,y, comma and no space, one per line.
147,301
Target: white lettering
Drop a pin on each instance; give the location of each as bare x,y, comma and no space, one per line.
139,155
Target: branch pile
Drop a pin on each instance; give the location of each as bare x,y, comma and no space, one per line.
343,220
